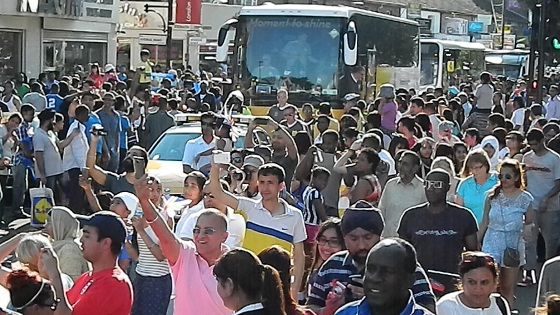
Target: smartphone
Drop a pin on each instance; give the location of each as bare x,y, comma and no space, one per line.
222,158
261,120
139,166
85,173
353,281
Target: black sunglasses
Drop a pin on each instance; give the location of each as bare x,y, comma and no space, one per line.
506,176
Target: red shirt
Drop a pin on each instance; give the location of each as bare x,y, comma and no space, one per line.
106,292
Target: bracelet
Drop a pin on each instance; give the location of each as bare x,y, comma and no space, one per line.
154,220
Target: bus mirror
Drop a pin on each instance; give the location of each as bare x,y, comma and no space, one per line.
351,45
223,40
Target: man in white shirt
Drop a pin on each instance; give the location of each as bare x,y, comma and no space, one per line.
553,107
74,159
518,116
198,151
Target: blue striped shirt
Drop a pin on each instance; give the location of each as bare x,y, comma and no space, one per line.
340,267
361,307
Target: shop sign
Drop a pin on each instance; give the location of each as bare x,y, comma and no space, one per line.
197,41
456,26
188,11
152,39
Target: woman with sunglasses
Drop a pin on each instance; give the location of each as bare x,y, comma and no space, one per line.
477,181
30,294
478,281
248,287
507,213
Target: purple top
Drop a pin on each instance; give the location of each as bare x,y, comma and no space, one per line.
389,116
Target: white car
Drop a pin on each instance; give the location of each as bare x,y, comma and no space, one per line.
166,154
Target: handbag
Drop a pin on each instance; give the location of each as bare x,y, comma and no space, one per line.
511,257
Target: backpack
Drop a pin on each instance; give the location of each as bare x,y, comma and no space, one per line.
504,308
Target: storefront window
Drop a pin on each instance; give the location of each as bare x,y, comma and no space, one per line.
64,56
10,54
123,54
158,54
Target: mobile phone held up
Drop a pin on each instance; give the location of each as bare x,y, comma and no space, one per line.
98,130
139,166
221,157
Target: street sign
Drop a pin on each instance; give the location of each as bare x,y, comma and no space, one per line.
196,41
152,39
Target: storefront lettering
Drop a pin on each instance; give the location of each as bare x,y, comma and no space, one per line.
312,23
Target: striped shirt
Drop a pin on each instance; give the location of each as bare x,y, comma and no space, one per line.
148,265
340,266
310,194
264,229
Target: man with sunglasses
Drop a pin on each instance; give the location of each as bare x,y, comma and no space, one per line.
191,262
194,147
439,230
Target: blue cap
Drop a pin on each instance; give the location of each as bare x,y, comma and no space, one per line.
108,224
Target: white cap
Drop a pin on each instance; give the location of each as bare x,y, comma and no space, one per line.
109,67
131,201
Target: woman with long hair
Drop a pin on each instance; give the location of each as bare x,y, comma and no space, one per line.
367,188
193,194
425,149
477,181
507,213
280,259
246,286
459,155
328,242
478,281
30,294
95,76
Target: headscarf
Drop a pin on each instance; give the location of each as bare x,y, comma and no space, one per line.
65,226
491,140
363,215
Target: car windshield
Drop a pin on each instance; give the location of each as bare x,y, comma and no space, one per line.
172,146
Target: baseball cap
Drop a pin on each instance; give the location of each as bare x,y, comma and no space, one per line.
351,97
108,224
253,160
131,201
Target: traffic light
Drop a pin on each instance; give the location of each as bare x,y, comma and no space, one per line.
534,85
552,27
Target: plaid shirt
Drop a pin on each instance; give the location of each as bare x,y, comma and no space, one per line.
21,134
340,267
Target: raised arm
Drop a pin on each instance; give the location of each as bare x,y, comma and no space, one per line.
170,244
96,172
218,191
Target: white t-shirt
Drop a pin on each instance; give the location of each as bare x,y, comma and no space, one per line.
484,94
518,117
386,156
450,304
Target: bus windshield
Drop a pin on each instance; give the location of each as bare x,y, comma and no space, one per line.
430,63
294,52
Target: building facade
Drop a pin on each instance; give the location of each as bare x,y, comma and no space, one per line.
40,36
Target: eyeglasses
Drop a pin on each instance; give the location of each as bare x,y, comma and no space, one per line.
332,243
471,257
436,184
237,159
505,176
205,231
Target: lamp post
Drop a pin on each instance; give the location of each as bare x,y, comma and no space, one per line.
541,61
167,27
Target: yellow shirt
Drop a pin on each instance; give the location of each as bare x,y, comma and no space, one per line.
145,77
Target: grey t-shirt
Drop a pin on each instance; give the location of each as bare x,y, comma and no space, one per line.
541,172
117,183
46,143
276,113
484,94
38,100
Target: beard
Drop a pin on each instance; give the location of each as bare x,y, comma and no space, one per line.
128,165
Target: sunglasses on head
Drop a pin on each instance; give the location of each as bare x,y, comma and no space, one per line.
505,176
205,231
436,184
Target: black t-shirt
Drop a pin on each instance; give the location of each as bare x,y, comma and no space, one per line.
439,238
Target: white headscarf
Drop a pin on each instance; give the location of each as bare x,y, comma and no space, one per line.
491,140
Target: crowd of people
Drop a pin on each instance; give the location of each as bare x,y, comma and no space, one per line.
417,203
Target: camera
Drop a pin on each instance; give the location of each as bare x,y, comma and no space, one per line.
98,130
